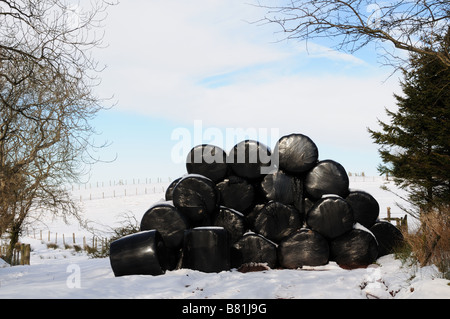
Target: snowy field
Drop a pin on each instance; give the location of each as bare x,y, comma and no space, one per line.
64,273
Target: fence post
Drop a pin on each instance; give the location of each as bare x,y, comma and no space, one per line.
26,254
404,224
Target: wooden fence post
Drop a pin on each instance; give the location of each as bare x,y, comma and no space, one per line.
25,252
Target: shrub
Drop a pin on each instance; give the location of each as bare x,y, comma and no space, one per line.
128,225
430,243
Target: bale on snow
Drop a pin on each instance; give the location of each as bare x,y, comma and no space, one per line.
276,220
236,192
331,216
327,177
365,207
249,158
297,153
142,253
206,249
304,247
196,197
283,188
168,221
233,222
253,248
388,237
207,160
355,249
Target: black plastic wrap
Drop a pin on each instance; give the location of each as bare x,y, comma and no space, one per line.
206,249
327,177
331,216
253,248
247,158
233,222
207,160
250,217
297,153
365,207
237,193
168,221
283,188
169,190
307,204
142,253
354,249
388,237
196,197
276,220
304,247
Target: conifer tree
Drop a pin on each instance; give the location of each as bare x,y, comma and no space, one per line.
415,145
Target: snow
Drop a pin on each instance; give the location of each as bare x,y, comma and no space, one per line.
64,273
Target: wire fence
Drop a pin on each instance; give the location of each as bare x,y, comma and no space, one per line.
119,188
146,186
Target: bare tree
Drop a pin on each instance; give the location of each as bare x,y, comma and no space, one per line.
47,81
411,25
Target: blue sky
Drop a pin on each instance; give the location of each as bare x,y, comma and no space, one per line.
172,63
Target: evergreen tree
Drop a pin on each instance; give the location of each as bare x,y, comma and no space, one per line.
415,145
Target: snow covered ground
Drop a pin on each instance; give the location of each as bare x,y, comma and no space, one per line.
64,273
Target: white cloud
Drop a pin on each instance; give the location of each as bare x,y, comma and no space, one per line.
200,60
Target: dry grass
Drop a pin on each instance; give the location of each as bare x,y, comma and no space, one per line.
430,244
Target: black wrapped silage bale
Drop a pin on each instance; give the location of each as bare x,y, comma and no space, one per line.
169,191
233,222
253,248
357,248
142,253
236,193
207,160
304,247
307,204
206,249
276,220
249,159
168,221
250,217
388,237
327,177
297,153
283,188
365,207
196,197
331,216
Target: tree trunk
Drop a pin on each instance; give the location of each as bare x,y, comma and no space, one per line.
13,240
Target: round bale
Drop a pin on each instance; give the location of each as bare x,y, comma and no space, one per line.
142,253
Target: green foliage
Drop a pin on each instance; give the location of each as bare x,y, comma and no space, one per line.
415,145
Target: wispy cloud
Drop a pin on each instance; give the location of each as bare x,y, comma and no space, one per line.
201,60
